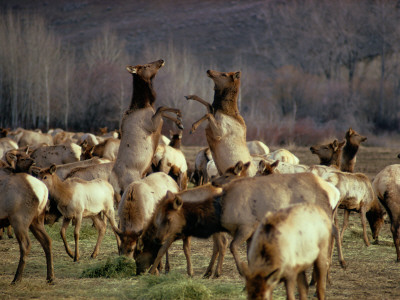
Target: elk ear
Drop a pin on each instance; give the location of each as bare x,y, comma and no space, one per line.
52,169
169,195
11,159
131,69
238,167
236,75
34,171
275,164
335,145
177,203
246,166
341,144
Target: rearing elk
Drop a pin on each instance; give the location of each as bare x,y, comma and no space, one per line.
140,128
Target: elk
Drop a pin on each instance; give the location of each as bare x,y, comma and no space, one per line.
148,246
353,141
226,129
107,149
356,193
30,138
171,160
284,245
137,206
232,173
386,185
77,199
140,128
16,161
329,154
23,202
45,156
257,148
64,169
238,210
283,155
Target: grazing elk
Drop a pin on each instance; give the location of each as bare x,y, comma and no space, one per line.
23,202
386,185
77,199
239,209
148,246
226,129
329,154
353,141
137,206
285,244
140,128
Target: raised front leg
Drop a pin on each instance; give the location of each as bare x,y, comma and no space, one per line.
209,107
198,122
62,232
161,112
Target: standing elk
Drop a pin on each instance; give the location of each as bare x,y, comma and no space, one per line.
353,141
23,202
77,199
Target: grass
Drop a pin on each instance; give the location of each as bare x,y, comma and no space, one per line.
372,272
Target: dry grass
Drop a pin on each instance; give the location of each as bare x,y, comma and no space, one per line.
372,272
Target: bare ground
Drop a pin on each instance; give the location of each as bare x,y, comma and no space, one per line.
372,272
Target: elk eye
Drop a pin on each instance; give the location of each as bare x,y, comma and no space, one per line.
45,177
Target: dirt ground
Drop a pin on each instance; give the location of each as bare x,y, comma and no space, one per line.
372,272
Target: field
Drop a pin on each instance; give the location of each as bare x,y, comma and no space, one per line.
372,272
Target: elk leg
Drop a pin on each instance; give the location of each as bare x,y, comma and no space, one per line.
24,248
186,250
9,232
198,122
222,245
321,269
177,121
100,225
242,235
111,217
78,223
215,253
363,216
62,232
302,285
209,107
38,230
167,266
395,228
157,117
160,254
290,286
346,216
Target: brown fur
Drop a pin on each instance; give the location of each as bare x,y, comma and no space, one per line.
353,141
226,129
386,185
20,206
140,128
329,154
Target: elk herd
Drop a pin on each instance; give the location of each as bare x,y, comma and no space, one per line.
138,180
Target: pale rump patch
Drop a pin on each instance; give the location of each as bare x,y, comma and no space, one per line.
40,190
